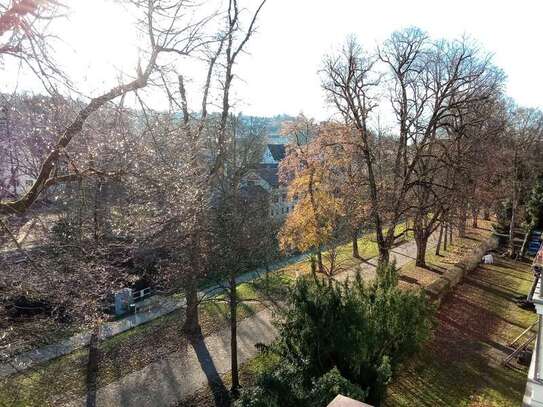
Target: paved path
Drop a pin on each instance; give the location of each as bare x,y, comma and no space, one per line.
181,374
26,360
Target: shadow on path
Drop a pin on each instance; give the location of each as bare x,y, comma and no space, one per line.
365,261
403,254
220,393
92,369
409,280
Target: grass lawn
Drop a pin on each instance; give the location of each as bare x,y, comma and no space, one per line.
461,365
367,248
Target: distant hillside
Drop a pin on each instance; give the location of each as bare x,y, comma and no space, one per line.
273,126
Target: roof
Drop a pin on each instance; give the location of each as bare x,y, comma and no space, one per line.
342,401
277,151
269,173
253,191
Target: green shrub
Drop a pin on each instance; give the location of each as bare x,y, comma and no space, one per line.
354,335
534,206
330,385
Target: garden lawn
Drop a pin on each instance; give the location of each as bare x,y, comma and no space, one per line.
461,365
367,248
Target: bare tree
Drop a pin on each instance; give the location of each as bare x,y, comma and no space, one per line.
525,137
431,83
350,83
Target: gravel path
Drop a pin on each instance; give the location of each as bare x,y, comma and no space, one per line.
401,254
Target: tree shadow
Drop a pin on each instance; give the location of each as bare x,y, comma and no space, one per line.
220,393
435,269
463,359
403,254
366,261
92,370
408,279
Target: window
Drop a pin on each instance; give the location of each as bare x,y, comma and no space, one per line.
284,196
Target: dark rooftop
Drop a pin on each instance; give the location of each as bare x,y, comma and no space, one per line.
269,172
277,151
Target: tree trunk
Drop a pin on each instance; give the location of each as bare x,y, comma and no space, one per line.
234,337
445,236
450,233
267,276
96,209
384,255
462,222
356,253
475,213
439,239
422,242
191,326
486,214
524,242
80,212
512,228
313,264
513,209
319,262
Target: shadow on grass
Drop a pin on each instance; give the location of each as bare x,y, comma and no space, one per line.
435,269
476,239
461,364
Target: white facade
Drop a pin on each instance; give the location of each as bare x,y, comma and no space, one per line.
266,177
533,396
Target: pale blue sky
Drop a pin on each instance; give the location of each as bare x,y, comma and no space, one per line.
279,75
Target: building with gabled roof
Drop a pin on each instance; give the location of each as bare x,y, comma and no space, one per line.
267,177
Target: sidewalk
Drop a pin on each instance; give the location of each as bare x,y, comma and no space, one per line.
181,374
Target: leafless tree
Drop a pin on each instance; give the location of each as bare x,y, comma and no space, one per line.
430,83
